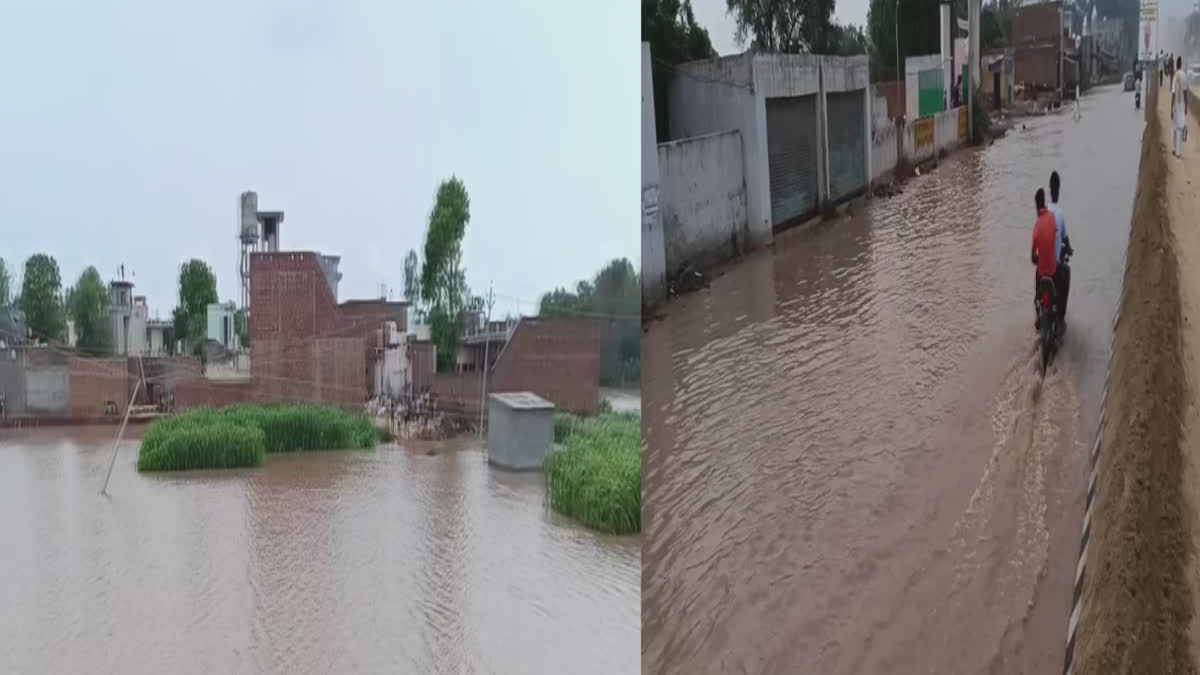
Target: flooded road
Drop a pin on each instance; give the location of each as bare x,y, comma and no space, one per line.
852,464
392,561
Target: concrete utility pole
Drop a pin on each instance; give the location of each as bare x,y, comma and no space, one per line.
972,63
487,342
900,75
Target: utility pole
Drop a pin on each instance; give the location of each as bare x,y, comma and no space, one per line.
900,74
972,63
487,342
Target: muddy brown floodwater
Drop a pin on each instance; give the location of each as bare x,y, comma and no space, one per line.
852,464
392,561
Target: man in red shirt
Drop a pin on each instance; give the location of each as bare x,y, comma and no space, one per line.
1044,239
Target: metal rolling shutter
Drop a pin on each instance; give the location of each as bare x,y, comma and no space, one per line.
792,157
847,154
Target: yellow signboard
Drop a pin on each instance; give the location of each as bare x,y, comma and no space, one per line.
962,125
923,133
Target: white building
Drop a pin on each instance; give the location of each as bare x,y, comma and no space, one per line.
128,315
221,326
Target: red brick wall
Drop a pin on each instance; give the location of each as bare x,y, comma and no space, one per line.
367,315
1037,31
894,92
95,381
1036,66
329,370
199,392
458,393
303,345
162,372
289,297
1037,24
557,359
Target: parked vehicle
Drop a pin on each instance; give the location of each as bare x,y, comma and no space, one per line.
1130,82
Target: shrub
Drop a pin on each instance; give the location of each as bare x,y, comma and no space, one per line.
213,446
595,475
195,436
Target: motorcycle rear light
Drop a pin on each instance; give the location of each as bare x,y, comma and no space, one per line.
1045,300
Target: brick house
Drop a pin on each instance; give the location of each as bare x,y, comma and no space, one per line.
304,345
555,358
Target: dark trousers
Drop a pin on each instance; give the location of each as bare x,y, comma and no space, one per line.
1062,287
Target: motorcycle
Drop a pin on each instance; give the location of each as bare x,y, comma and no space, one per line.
1137,100
1050,330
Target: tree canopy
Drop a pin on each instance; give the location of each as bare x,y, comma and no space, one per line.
674,36
87,303
918,28
412,286
5,284
197,290
443,281
41,298
789,26
614,293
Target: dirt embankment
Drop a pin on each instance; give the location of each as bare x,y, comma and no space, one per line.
1137,604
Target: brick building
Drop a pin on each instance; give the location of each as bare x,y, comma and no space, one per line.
304,345
555,358
1037,45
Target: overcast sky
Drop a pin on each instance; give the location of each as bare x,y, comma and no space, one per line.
129,128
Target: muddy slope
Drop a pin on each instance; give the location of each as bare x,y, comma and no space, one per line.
1136,607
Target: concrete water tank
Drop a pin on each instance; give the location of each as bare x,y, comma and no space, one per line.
520,430
249,226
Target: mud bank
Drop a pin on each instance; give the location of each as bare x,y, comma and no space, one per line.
1136,603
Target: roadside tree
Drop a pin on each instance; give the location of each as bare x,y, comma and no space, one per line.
41,298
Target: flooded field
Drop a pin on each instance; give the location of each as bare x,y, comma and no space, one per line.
417,559
852,464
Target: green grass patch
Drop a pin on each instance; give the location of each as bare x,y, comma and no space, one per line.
218,438
594,474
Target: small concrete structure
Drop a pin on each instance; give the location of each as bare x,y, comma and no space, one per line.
520,430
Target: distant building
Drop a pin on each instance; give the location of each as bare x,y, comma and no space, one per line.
221,326
481,340
156,334
128,315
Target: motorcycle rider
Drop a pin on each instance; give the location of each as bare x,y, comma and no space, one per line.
1044,242
1062,246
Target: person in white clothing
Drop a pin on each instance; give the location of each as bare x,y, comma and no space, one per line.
1179,106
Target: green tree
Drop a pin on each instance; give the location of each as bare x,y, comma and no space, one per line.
919,33
443,281
846,40
5,284
41,298
613,294
412,286
197,290
674,36
788,26
241,326
87,303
